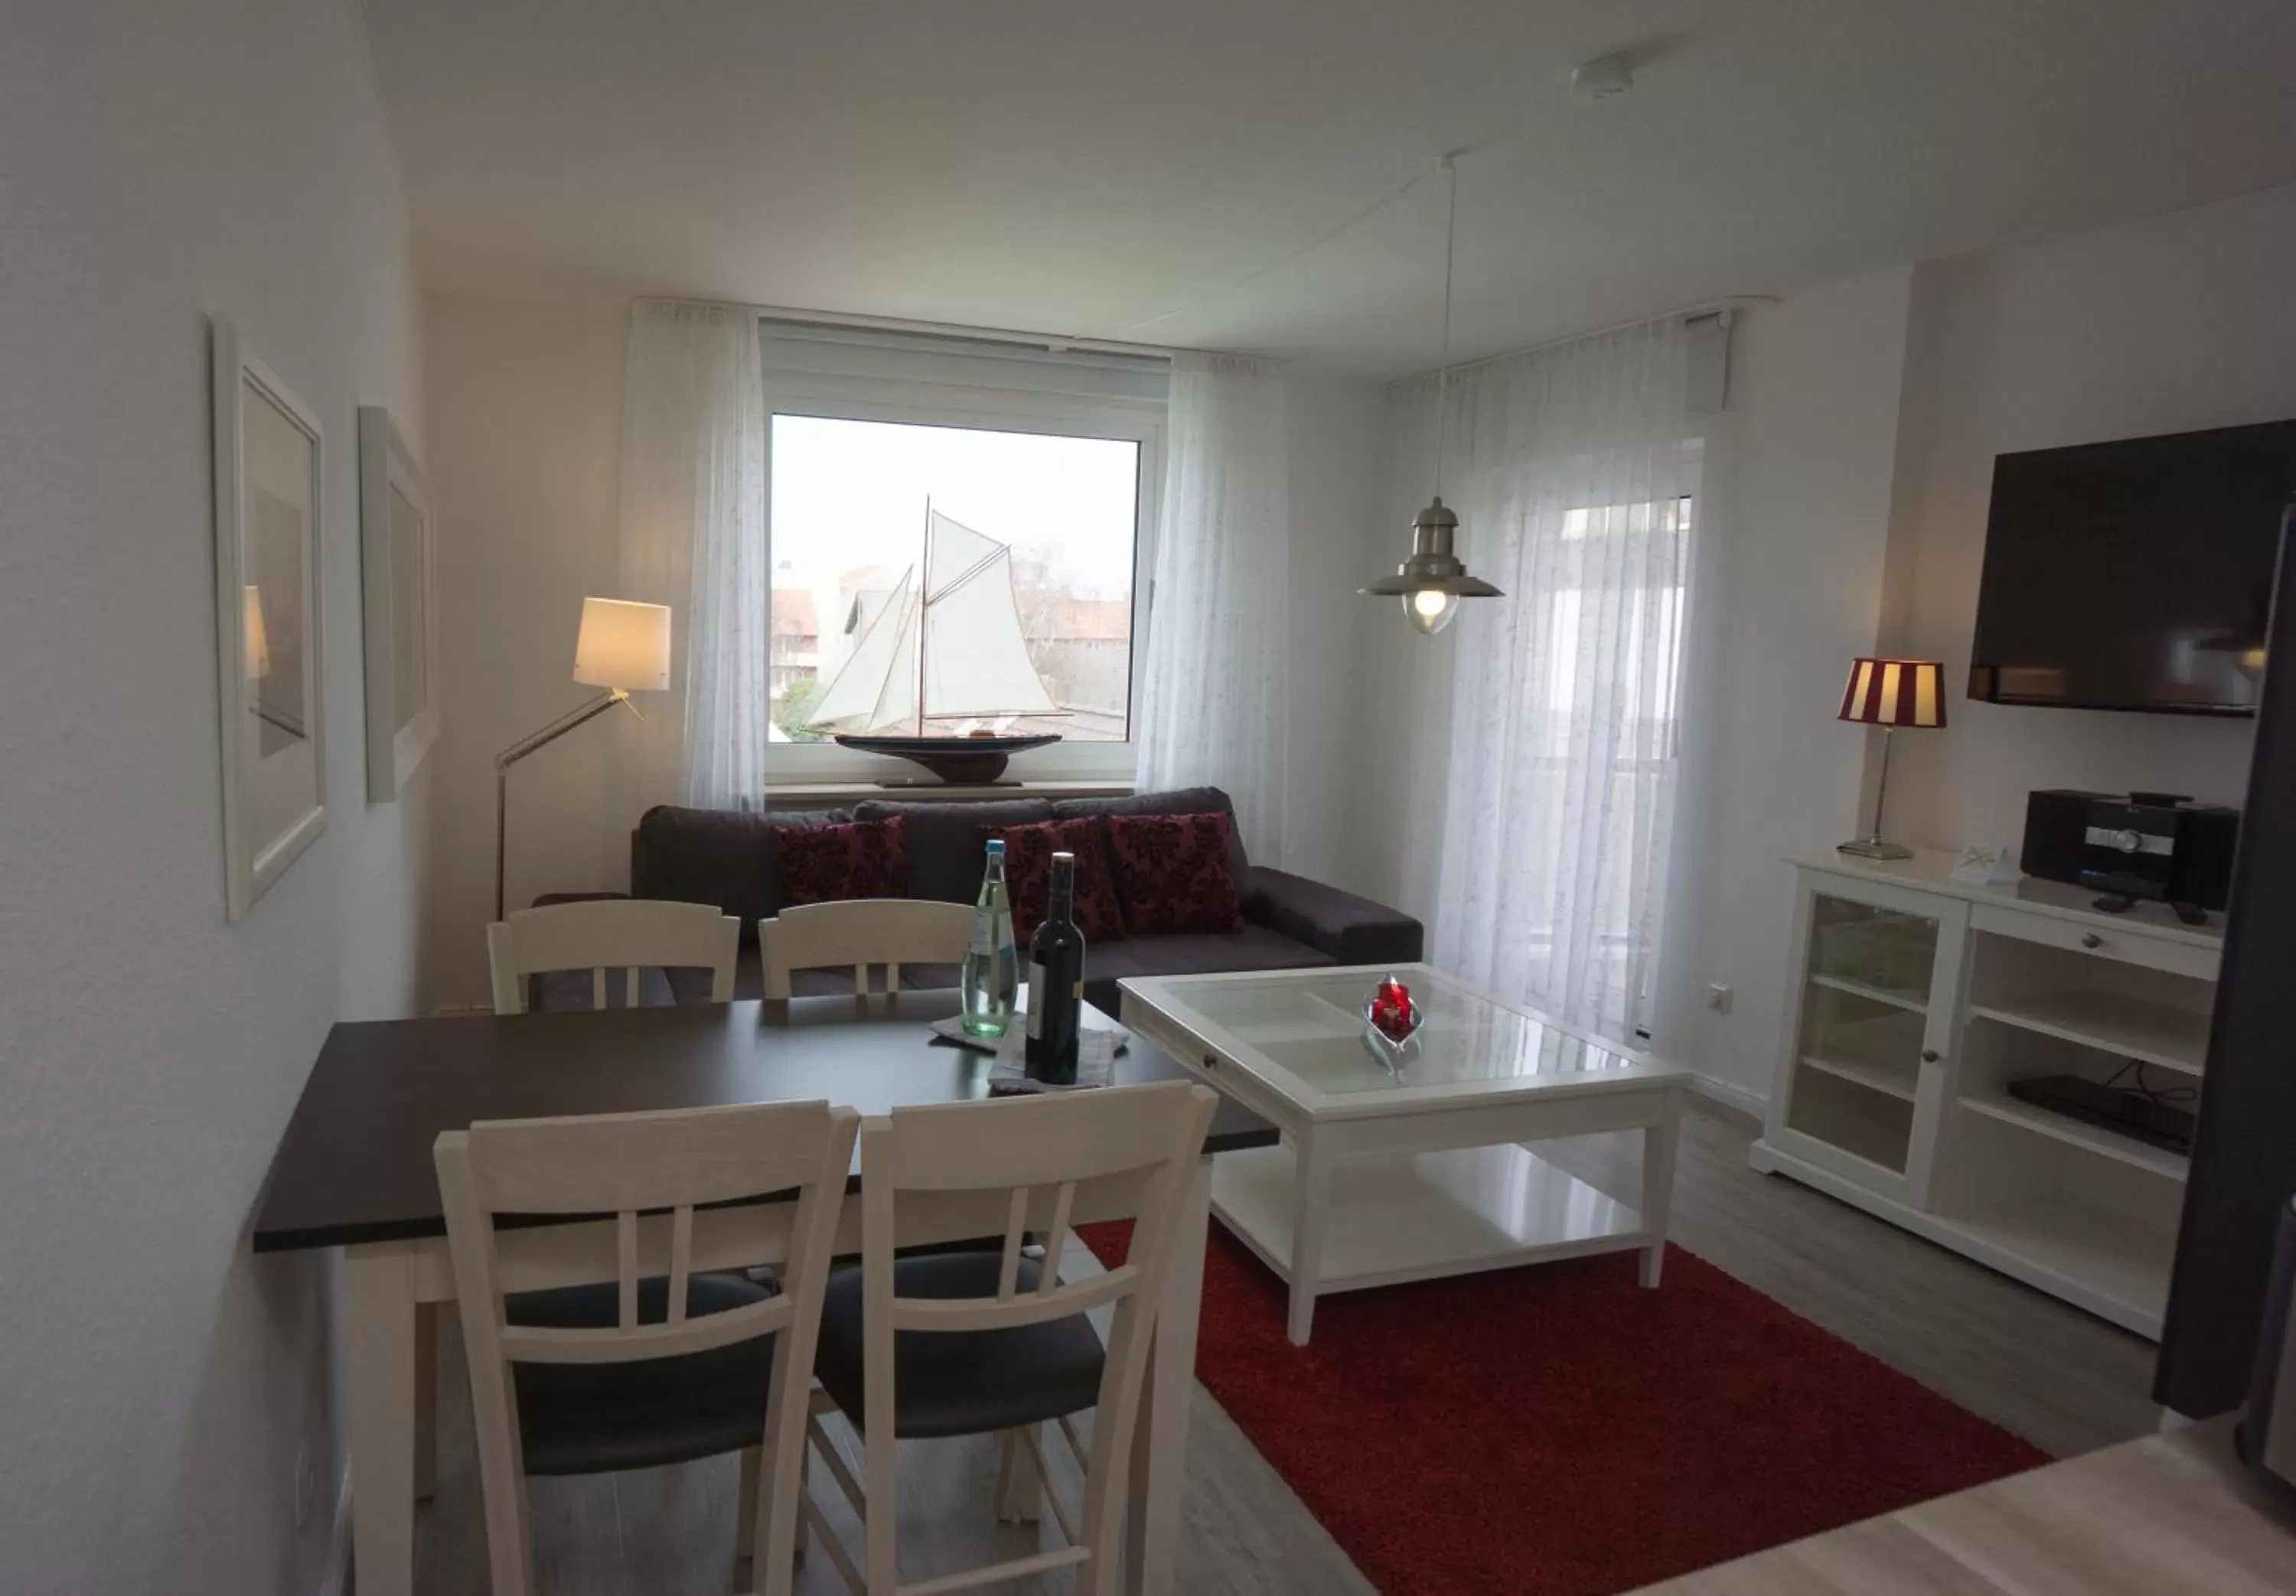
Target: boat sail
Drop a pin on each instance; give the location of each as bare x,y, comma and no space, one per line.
949,649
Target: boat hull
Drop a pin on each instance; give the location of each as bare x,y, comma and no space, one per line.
960,761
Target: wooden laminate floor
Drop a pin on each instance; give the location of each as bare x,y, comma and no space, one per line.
2064,1380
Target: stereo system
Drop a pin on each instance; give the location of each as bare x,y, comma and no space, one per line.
2143,845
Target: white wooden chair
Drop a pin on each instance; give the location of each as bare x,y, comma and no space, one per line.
1026,1355
861,932
626,934
588,1394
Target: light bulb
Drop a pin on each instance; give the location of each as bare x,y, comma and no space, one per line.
1429,608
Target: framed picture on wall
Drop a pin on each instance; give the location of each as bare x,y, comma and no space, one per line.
267,498
398,550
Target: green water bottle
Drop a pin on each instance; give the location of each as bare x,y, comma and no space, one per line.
991,969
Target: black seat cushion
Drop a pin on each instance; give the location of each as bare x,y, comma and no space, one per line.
961,1382
1189,953
590,1418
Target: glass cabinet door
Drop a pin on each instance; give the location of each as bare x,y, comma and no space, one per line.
1857,1060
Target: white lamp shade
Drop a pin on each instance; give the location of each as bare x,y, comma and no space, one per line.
623,644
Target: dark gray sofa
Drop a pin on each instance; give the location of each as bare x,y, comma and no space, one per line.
728,859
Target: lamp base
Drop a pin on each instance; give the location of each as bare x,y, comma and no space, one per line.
1874,848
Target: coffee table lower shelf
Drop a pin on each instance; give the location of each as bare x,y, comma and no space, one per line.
1414,1217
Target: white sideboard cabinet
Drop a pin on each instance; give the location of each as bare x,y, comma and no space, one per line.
1913,1000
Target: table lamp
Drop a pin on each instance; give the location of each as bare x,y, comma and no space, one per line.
622,647
1889,693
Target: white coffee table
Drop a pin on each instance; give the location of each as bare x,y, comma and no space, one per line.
1383,1178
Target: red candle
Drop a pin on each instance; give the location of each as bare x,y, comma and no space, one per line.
1390,1009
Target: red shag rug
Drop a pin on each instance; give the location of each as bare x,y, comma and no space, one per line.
1556,1430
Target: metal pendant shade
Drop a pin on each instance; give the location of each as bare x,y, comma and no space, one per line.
1434,579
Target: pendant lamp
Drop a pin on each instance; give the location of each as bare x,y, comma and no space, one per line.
1434,579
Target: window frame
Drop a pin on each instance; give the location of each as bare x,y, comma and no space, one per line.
981,407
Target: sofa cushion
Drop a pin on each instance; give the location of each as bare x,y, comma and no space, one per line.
863,858
1182,800
717,857
945,837
1202,953
1174,872
1028,853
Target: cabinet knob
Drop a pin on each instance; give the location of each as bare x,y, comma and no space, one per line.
2090,939
1930,1055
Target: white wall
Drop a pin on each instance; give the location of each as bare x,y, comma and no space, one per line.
2178,322
1788,586
166,161
526,407
1337,491
1890,396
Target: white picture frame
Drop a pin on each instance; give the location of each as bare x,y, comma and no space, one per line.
269,506
399,583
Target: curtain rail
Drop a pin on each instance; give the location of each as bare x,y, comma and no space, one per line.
1687,312
1052,343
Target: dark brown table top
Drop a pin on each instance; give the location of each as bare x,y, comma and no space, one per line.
355,1164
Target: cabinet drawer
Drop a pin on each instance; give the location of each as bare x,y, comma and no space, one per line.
2104,942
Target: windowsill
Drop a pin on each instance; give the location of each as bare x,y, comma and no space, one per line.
904,792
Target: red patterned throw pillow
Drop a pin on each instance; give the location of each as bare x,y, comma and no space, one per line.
1028,853
864,858
1174,872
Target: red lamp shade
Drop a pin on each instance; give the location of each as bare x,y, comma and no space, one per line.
1895,692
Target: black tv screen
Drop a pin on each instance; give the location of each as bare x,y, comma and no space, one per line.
2133,575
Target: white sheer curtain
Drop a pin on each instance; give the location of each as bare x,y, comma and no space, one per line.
1216,691
693,537
1572,475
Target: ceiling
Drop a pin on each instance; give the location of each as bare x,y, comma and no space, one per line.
1164,171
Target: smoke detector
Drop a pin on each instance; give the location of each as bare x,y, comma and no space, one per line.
1605,77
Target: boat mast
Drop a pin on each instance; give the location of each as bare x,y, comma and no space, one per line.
924,572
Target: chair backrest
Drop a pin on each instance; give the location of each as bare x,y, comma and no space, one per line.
1135,1146
860,932
635,1166
625,934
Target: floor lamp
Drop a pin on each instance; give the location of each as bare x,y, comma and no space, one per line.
624,648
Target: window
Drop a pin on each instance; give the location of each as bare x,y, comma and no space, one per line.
1606,657
959,540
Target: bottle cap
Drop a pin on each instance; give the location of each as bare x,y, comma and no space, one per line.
1058,858
995,845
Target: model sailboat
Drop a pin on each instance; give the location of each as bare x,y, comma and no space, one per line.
942,651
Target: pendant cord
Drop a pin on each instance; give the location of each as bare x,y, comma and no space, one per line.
1449,166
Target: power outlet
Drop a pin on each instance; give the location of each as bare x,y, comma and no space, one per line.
1720,998
307,1485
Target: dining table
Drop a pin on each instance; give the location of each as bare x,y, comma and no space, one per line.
353,1172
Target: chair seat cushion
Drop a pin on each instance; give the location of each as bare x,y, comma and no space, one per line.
590,1418
962,1382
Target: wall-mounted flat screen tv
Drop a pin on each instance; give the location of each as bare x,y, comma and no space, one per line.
2135,575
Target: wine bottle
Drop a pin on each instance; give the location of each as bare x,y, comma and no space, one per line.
1055,983
989,974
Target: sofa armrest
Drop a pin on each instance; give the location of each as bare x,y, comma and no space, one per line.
1353,931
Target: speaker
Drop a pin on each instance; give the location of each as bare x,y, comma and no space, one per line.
2143,845
2205,845
2056,830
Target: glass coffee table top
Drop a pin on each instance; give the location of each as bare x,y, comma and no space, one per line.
1301,1032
